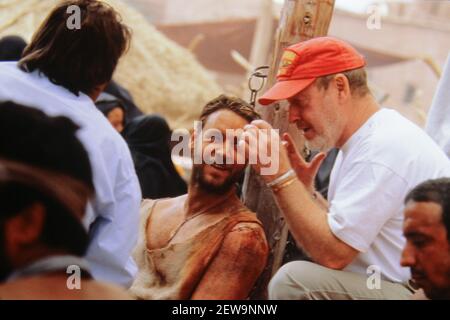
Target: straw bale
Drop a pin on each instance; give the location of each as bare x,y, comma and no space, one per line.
162,76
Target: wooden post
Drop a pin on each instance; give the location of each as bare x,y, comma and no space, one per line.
300,20
262,39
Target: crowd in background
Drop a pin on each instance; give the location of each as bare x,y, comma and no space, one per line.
77,157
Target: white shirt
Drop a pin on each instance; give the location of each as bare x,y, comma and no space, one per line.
373,172
438,121
114,216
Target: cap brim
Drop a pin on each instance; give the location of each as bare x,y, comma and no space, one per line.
283,90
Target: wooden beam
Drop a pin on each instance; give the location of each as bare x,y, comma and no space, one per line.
300,20
262,40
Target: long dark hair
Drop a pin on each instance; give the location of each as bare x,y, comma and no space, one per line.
78,59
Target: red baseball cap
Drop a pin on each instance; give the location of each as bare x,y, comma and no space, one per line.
304,62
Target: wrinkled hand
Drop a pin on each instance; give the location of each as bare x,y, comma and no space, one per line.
306,171
264,150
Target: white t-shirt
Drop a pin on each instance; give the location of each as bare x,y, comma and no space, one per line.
114,216
373,172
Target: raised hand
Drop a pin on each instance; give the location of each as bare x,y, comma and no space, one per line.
264,150
306,171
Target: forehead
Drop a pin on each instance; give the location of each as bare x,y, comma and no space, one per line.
306,94
422,215
223,119
116,112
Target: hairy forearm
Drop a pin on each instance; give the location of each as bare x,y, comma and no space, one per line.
307,221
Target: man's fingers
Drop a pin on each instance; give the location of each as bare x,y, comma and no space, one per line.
317,161
261,124
249,140
294,155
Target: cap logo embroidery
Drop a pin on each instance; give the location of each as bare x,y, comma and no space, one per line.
286,61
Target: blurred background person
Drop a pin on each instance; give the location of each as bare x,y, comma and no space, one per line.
11,48
45,184
148,138
49,78
131,109
113,109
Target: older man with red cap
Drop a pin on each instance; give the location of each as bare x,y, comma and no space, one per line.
355,238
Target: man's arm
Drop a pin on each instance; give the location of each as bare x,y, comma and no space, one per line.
306,218
237,266
307,221
113,234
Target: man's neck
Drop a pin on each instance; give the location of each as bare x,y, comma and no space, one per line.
361,110
200,200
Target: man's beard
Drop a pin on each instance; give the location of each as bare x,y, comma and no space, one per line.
5,268
199,177
325,140
319,144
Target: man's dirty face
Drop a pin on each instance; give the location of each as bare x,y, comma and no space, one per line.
220,137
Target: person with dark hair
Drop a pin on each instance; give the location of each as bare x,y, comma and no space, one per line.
148,138
45,185
205,244
113,109
427,232
11,48
131,109
62,72
358,230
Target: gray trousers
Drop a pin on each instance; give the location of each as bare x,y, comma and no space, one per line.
303,280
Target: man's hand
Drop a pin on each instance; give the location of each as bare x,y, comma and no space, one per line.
264,150
306,171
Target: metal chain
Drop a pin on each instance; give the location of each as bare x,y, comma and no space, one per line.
259,73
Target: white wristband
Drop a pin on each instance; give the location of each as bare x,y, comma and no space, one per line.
281,178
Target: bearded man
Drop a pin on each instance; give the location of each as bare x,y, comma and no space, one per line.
205,244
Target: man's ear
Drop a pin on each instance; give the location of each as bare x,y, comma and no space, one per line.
342,86
26,228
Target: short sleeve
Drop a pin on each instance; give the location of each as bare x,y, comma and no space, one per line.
366,198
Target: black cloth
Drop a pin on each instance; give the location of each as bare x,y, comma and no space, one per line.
107,102
323,175
131,110
11,48
148,139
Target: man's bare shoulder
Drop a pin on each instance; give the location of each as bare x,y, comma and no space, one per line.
247,237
